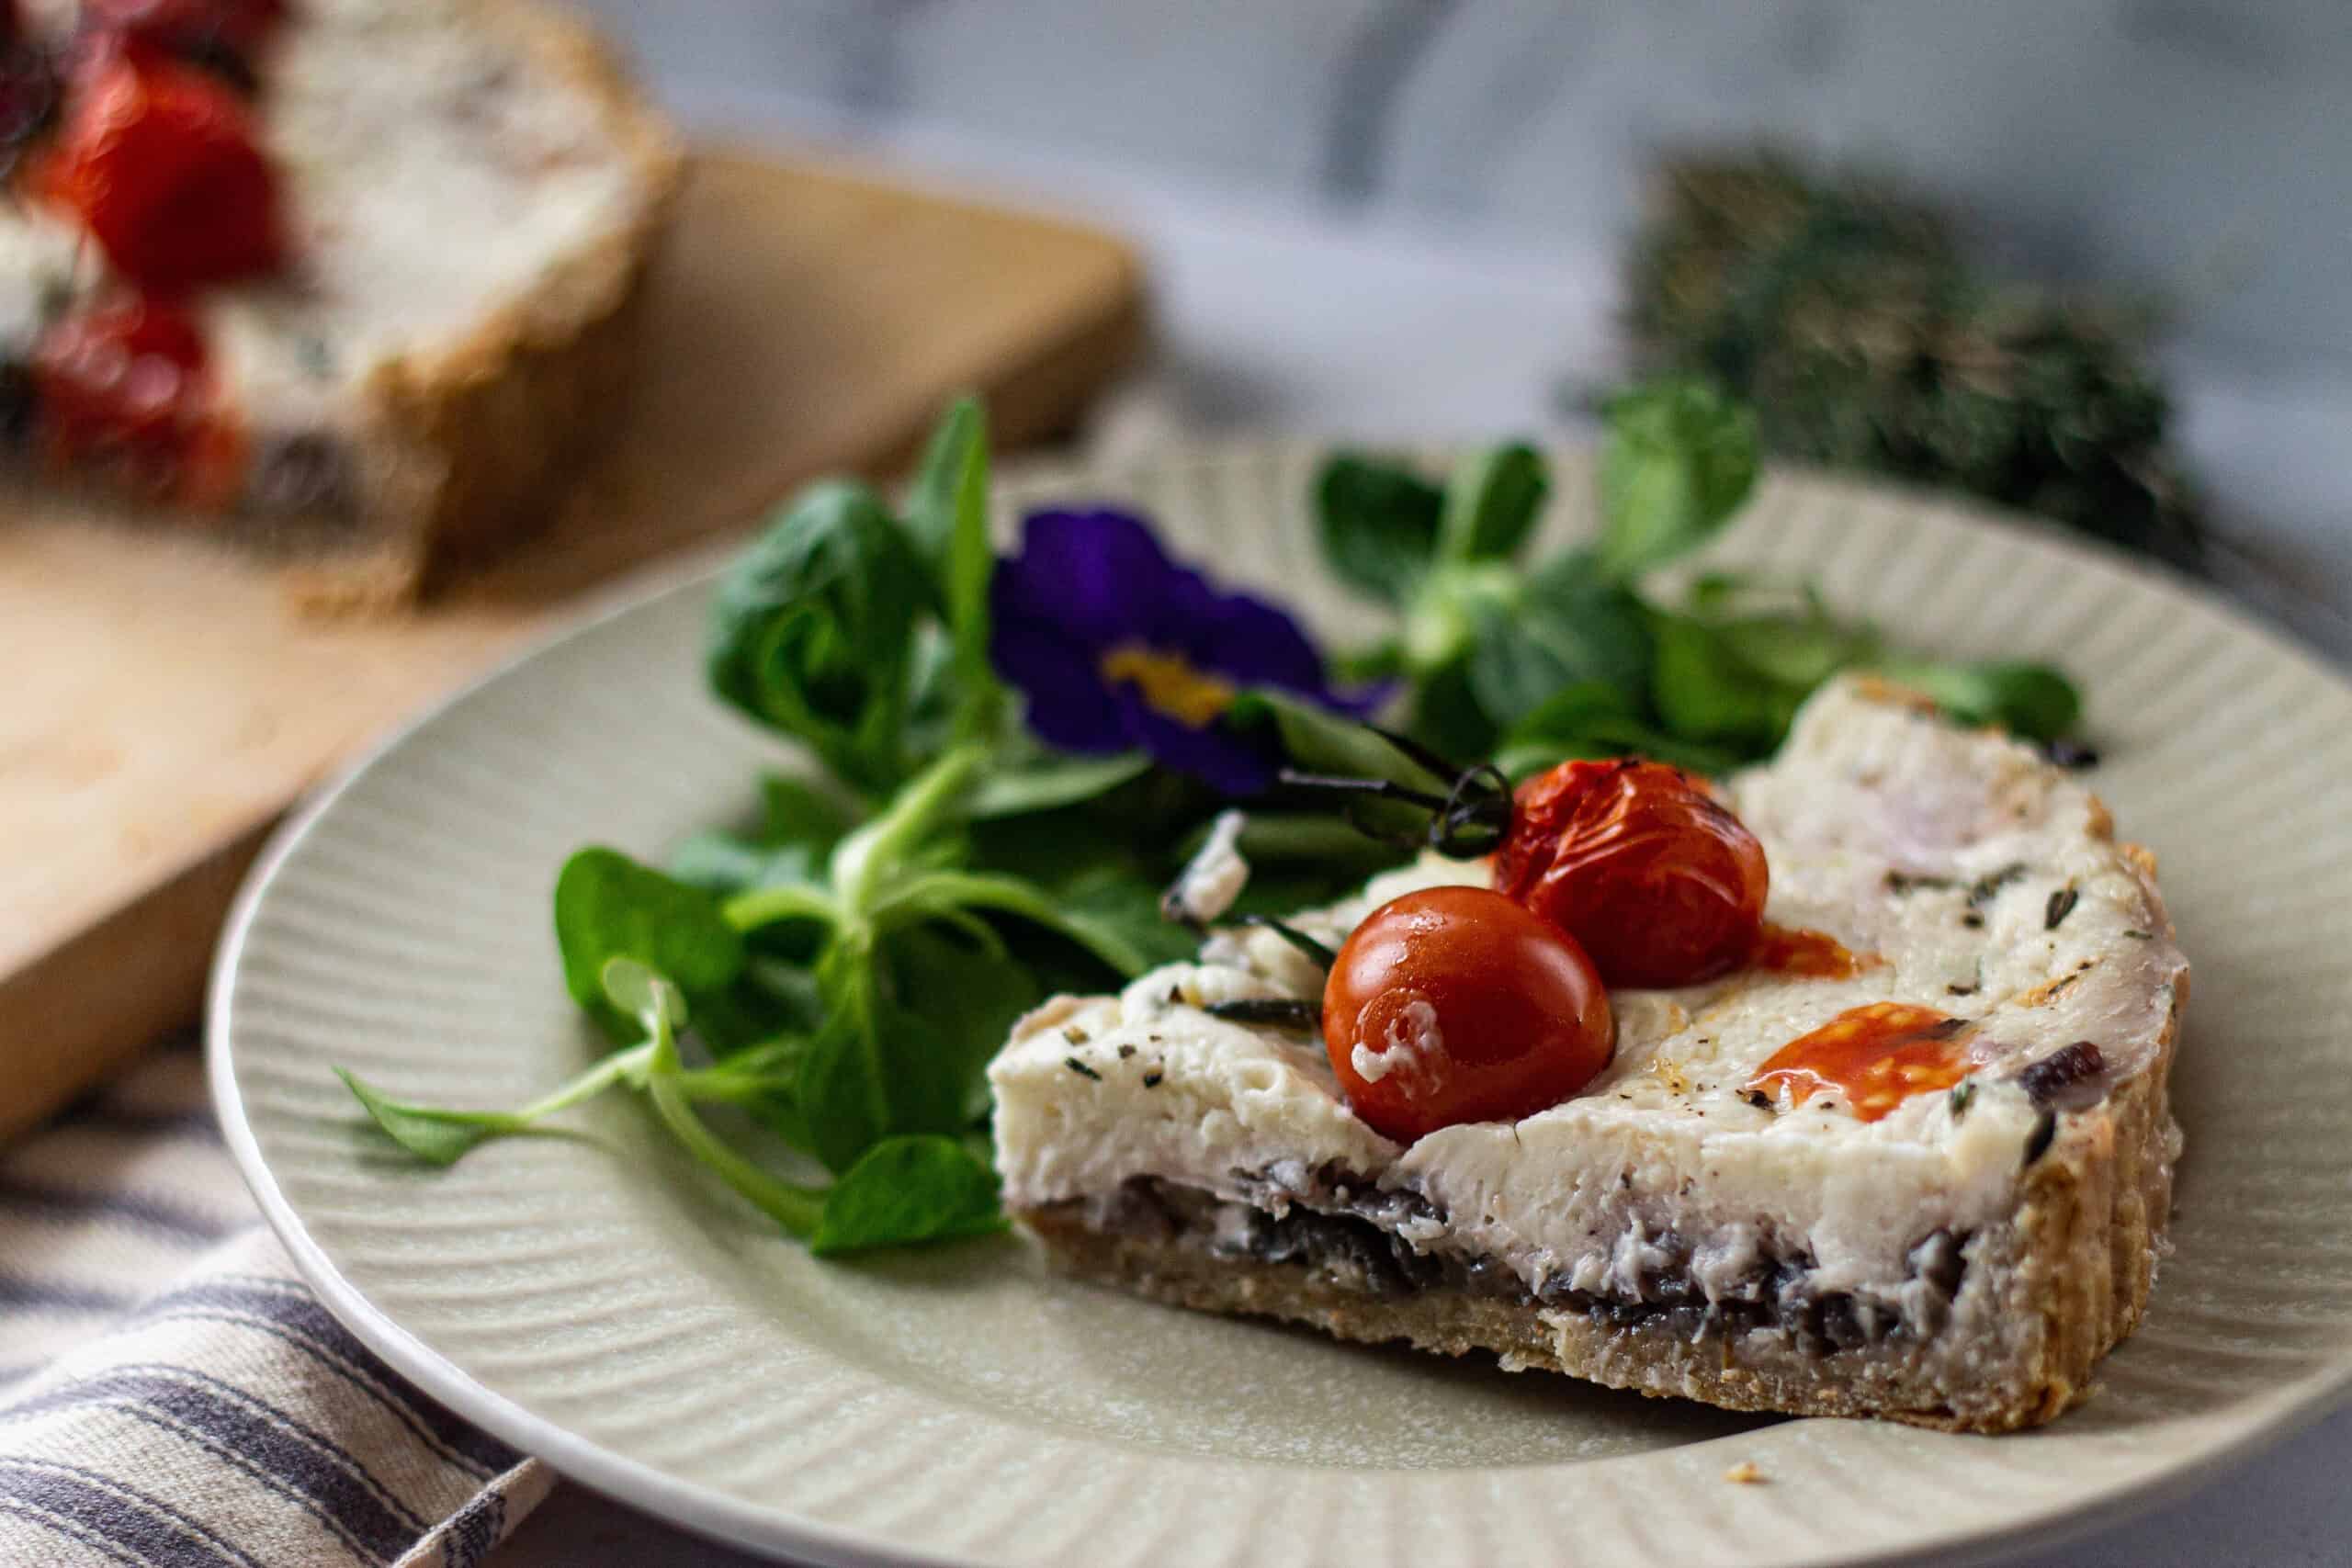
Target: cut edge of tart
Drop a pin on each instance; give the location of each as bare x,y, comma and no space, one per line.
1750,1206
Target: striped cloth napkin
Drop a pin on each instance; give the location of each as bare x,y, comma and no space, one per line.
173,1396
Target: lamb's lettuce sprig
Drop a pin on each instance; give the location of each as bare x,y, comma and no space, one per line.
878,1081
1579,655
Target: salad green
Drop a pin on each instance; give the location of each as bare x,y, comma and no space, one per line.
1015,756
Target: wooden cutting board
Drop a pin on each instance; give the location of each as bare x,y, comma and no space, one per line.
163,705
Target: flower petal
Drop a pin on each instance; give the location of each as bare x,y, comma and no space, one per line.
1100,576
1229,762
1239,637
1070,706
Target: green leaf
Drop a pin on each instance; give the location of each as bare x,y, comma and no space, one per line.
1593,719
428,1132
812,631
608,906
842,1100
947,514
1051,781
724,864
1705,692
1317,741
1571,624
440,1135
966,999
638,990
927,896
909,1189
1680,459
1112,903
1377,522
1796,652
1492,500
1446,717
798,811
800,825
2030,700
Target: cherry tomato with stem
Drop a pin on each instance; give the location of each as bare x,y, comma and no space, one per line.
1455,1003
1642,864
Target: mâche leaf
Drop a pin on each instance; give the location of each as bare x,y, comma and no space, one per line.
1594,719
909,1189
1492,500
1571,624
2030,700
608,906
1048,782
948,514
428,1132
966,997
799,824
1706,692
1680,459
813,630
1377,522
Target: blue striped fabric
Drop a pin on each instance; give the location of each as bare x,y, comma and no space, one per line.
171,1393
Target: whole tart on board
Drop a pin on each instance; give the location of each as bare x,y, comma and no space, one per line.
399,349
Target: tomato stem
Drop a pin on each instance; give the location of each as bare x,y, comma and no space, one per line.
1281,1012
1469,820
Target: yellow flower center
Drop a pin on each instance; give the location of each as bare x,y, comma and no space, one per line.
1168,684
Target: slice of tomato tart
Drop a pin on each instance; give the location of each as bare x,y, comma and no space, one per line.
1838,1090
347,279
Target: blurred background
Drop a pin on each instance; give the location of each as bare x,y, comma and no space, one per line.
1403,217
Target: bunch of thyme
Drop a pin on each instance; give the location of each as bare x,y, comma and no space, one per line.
1846,311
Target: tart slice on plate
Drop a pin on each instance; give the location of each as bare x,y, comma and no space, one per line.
351,279
1899,1145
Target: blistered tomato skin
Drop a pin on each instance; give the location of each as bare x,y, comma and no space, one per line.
1455,1004
161,162
1639,863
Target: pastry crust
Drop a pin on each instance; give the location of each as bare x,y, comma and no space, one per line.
477,436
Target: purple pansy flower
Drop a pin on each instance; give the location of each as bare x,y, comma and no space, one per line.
1117,646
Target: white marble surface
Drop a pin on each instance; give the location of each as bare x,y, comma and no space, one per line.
1371,320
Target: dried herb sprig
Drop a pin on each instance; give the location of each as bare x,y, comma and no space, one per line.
1847,310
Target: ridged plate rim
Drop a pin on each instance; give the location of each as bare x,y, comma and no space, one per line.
711,1510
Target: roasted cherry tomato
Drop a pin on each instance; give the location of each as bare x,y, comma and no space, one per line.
127,382
1455,1004
161,163
1661,884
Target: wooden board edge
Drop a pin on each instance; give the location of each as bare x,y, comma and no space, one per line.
155,953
